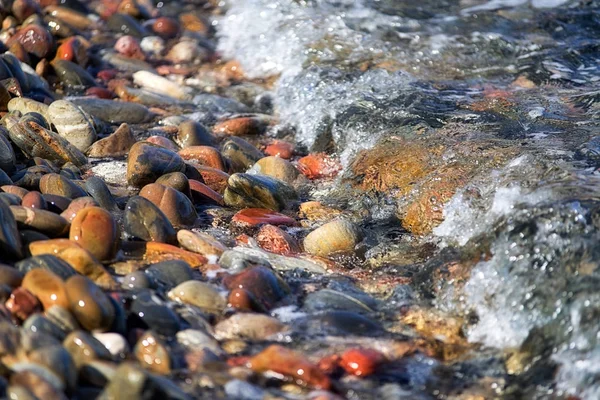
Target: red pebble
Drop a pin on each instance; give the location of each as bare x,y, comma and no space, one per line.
162,142
165,27
129,47
278,148
100,93
361,362
242,300
34,199
107,74
202,194
22,304
330,364
261,216
319,165
275,240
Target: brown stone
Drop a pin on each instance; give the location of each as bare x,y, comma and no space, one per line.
95,229
115,145
47,287
241,126
153,354
61,186
88,303
157,252
204,155
275,240
213,178
175,205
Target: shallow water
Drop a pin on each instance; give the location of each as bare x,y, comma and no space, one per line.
518,74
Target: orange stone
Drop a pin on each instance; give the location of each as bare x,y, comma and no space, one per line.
202,194
261,216
213,178
361,362
48,287
241,126
289,363
95,229
275,240
204,155
157,252
279,148
319,165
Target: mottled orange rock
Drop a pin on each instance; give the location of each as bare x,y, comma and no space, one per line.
157,252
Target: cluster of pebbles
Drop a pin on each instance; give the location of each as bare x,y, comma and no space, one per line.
146,254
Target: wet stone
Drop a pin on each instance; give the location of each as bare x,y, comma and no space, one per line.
193,133
202,295
155,314
84,348
258,191
262,283
147,162
241,154
34,200
75,206
248,326
170,273
47,287
336,236
89,304
10,241
49,262
177,181
40,323
251,217
276,240
153,354
115,145
201,243
114,111
72,124
177,207
143,220
22,304
276,167
137,280
95,229
327,299
59,185
101,193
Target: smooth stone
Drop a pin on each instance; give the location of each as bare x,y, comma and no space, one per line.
192,133
30,385
49,262
153,354
137,280
25,105
37,118
14,190
177,207
10,276
277,168
58,360
200,294
248,326
132,382
241,390
343,323
56,203
201,243
77,205
215,179
7,154
177,181
155,314
158,252
193,339
278,262
40,323
97,373
62,318
5,179
61,186
161,85
77,257
244,301
22,304
241,154
258,191
10,199
34,200
204,155
170,273
163,142
147,162
115,145
242,126
261,216
115,112
35,141
48,287
101,193
203,194
89,304
127,25
336,236
72,124
84,348
262,283
95,229
327,299
115,343
145,221
72,76
40,220
10,240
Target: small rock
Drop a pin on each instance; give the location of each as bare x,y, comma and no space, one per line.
147,162
143,220
47,287
175,205
117,144
336,236
170,273
361,362
277,168
95,230
248,326
258,191
199,294
275,240
201,243
153,354
89,304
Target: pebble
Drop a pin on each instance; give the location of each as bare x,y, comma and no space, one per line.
175,205
147,162
40,220
318,166
84,347
202,295
184,51
214,178
242,126
155,314
10,276
59,185
95,230
115,343
336,236
136,280
58,360
35,39
241,154
73,77
204,155
145,221
72,124
49,262
163,142
289,363
22,303
116,144
281,149
29,385
158,252
327,299
7,154
129,47
34,199
275,240
248,326
77,205
201,243
251,217
47,287
158,84
277,168
262,283
258,191
101,193
202,194
177,181
115,112
10,241
361,362
170,273
89,304
153,354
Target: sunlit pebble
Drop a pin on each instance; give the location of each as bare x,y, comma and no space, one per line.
129,47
